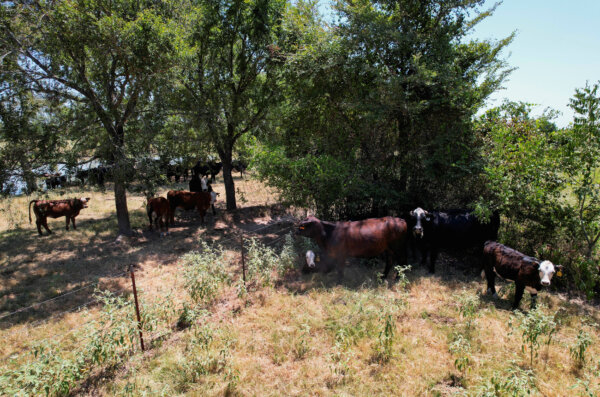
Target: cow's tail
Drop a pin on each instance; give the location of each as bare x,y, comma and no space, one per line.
31,202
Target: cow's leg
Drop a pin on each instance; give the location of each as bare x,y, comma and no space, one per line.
38,223
519,289
213,208
150,219
533,292
73,222
67,220
388,265
491,280
45,224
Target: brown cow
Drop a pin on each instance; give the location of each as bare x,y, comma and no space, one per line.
526,271
187,201
55,209
159,213
366,238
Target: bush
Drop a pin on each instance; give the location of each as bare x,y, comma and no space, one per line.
204,274
533,327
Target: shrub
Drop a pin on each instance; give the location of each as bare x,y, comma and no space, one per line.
579,347
204,273
385,343
533,327
514,382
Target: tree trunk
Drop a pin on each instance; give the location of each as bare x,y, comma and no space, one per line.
122,212
120,176
29,178
228,180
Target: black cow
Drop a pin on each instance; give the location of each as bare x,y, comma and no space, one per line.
96,175
214,168
367,238
211,168
177,171
527,272
455,229
55,180
239,166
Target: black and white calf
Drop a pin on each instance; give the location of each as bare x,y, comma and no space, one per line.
455,229
527,272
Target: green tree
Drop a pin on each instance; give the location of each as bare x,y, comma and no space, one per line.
378,108
28,132
582,165
523,172
229,79
103,59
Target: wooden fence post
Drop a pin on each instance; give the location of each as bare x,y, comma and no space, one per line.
137,306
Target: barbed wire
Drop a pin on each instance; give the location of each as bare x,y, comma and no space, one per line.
37,304
71,330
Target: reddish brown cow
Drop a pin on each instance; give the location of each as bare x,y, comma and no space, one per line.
159,213
366,238
526,271
188,200
55,209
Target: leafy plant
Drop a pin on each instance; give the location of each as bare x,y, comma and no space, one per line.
204,273
514,382
461,349
579,347
301,346
384,349
468,306
534,326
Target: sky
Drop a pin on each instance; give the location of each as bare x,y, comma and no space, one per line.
555,51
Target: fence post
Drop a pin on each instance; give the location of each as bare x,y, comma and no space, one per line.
137,307
243,259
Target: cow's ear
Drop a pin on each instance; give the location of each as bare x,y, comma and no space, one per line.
87,199
412,213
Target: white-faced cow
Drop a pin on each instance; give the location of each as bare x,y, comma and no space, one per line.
454,229
68,208
526,271
367,238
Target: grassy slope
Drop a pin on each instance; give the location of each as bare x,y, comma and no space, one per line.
305,336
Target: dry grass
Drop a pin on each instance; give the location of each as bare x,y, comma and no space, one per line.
307,335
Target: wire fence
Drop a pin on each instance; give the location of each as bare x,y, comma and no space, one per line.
240,236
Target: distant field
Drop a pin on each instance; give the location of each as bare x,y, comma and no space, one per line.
289,333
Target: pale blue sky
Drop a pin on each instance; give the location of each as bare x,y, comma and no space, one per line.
556,49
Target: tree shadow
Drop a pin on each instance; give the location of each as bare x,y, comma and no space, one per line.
75,263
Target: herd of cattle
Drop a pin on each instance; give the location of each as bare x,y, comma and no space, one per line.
422,232
100,174
426,233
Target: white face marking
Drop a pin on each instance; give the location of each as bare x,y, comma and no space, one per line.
310,259
83,199
213,197
546,272
203,184
419,214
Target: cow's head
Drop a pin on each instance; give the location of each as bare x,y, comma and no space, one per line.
310,259
547,270
204,184
420,217
310,227
84,201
